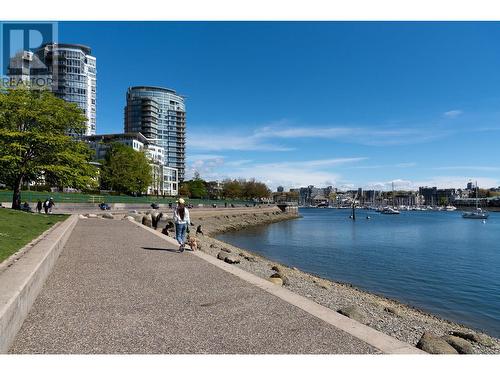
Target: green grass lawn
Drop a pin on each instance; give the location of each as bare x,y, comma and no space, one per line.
17,228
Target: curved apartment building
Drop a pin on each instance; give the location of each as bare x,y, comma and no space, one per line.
160,115
68,70
73,71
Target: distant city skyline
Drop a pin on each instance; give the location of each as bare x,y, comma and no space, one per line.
348,104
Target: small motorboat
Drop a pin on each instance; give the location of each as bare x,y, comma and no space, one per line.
389,211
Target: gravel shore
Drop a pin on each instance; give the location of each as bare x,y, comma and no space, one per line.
401,321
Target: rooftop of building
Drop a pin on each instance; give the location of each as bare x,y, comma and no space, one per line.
108,137
85,49
155,88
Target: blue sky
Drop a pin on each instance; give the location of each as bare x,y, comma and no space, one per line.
324,103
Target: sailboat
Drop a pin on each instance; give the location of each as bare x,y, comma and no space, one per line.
390,210
478,213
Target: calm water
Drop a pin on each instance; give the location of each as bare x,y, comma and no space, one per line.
436,261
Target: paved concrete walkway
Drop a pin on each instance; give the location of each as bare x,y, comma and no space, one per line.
118,288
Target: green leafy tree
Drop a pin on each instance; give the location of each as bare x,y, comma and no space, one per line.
261,190
126,170
245,189
248,188
184,190
34,145
197,187
232,189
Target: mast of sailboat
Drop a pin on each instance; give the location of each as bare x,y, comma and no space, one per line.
477,198
353,216
392,194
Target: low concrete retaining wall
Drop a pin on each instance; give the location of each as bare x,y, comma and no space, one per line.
21,282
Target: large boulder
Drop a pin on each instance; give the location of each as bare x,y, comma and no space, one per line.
481,339
231,259
82,216
107,215
281,275
461,345
93,216
393,310
222,255
276,280
435,345
485,340
276,268
228,257
250,258
147,220
353,312
324,284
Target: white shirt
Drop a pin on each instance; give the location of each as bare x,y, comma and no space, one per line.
177,218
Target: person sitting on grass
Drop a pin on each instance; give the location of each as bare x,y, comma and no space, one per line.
181,220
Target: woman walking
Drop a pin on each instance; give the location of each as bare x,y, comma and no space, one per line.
181,220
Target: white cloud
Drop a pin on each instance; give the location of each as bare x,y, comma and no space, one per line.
203,156
469,168
313,163
265,138
284,173
205,165
295,173
238,163
453,113
383,166
231,142
372,136
288,176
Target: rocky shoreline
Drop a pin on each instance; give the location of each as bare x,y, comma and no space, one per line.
406,323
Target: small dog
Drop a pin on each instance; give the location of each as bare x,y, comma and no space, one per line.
193,244
199,230
168,227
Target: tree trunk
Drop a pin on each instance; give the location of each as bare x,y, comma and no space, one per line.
16,196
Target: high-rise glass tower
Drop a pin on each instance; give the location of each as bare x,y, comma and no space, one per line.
70,71
160,115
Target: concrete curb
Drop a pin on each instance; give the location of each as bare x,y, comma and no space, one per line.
21,283
385,343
